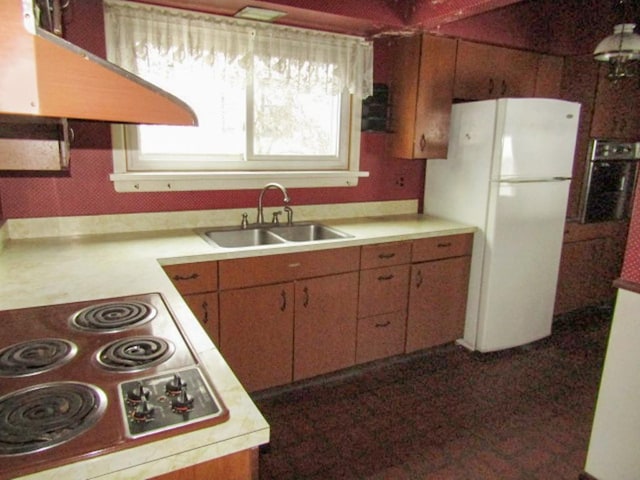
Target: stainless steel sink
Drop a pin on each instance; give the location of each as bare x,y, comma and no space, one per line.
308,232
236,237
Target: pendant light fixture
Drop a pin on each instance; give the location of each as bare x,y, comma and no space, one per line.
621,50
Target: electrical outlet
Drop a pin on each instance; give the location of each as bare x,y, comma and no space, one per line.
400,181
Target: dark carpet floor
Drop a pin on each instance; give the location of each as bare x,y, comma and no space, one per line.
446,413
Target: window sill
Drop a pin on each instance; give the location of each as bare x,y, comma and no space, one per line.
191,181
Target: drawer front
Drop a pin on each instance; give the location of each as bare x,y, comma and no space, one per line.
193,277
384,254
442,247
247,272
380,336
383,290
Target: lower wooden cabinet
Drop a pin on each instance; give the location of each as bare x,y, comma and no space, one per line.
381,336
242,465
437,302
591,260
256,334
325,324
283,318
205,307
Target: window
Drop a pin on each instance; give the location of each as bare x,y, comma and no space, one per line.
273,102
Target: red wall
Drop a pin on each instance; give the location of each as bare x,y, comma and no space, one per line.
87,190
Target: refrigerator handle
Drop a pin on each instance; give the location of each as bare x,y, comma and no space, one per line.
535,180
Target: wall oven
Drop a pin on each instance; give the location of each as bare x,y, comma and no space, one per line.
610,180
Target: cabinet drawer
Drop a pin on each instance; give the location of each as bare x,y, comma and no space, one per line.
380,336
383,290
384,254
442,247
193,277
246,272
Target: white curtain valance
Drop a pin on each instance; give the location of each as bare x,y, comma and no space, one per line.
303,58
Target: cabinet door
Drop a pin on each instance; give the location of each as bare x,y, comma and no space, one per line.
205,307
437,302
422,92
325,324
256,334
485,72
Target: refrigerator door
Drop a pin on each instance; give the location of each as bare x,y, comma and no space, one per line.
535,138
521,261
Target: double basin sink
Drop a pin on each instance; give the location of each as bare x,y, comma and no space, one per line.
262,235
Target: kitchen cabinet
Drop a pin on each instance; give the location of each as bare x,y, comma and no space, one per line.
549,76
382,304
438,290
242,465
198,284
421,94
312,293
591,260
256,334
615,114
486,71
325,324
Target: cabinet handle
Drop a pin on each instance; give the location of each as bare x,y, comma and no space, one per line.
386,255
385,277
423,142
444,245
503,90
419,279
179,278
283,303
382,325
205,309
305,299
491,85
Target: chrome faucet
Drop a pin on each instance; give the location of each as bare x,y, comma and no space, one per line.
286,199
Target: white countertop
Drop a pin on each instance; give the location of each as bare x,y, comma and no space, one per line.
58,270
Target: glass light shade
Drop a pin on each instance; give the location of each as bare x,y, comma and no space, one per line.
623,45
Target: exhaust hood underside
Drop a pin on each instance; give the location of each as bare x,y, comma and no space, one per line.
44,75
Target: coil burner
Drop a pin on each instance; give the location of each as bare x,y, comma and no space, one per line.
43,416
132,354
113,316
35,356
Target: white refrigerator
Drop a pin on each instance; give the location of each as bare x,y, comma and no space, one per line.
508,173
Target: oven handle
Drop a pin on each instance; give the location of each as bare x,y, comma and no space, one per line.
535,180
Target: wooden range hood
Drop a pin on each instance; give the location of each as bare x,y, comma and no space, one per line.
42,75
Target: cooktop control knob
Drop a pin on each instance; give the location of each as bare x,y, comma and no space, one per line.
143,412
175,386
137,394
182,403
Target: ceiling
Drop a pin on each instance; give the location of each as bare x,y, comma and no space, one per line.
567,27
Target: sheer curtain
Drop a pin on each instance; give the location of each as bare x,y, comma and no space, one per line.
149,41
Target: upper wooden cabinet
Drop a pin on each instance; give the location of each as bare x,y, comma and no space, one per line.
421,94
486,71
615,114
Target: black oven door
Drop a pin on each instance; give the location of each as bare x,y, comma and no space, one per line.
609,192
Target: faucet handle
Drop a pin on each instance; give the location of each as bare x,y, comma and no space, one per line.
275,220
289,212
245,222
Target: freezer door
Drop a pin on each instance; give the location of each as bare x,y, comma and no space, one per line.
535,138
521,261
